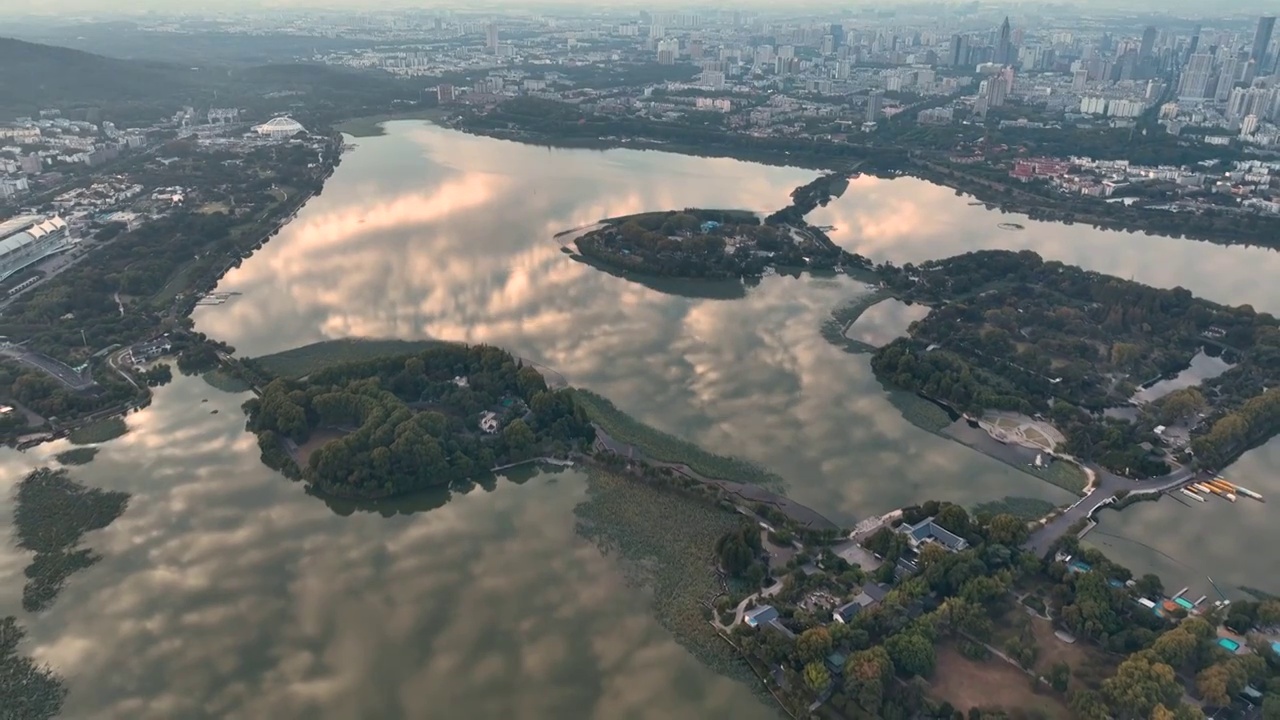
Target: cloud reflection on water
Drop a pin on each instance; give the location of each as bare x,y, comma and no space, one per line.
224,591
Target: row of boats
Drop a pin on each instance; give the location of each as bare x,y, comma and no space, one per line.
1220,487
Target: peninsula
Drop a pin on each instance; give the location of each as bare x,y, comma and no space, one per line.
721,244
1100,357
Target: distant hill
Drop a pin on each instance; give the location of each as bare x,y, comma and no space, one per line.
34,76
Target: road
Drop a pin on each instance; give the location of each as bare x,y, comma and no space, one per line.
116,359
53,368
1106,485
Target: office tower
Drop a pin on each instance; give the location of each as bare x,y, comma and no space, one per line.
1004,44
956,51
874,101
1148,42
1195,76
491,38
837,34
1262,39
1195,43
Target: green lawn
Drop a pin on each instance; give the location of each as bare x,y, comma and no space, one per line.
307,359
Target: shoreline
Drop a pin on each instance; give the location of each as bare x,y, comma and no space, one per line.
185,302
994,195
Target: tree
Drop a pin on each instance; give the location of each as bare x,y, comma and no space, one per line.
816,676
867,675
1149,586
1141,682
518,435
1006,529
911,653
813,645
1220,682
1060,676
1088,705
1269,613
931,554
1176,646
1271,707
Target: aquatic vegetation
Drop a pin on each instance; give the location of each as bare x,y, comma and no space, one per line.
834,327
665,542
307,359
99,432
669,448
1020,507
222,380
51,514
919,412
1064,474
77,456
27,691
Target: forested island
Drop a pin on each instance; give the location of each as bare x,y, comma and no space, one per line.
713,244
1010,331
400,423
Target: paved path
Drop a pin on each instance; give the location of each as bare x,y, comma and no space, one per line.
1105,487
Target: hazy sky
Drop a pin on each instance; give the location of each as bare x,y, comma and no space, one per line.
11,8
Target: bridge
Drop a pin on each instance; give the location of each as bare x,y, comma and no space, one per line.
1106,485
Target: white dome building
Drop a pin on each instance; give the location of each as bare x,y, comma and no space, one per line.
280,128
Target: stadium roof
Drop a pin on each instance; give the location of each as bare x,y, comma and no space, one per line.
25,229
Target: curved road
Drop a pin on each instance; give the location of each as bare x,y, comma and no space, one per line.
1106,485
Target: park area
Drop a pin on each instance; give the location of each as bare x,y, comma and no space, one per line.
991,684
1020,429
1089,664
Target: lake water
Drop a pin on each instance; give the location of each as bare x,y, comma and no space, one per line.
1202,367
224,591
888,319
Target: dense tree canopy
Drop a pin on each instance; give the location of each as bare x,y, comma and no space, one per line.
409,422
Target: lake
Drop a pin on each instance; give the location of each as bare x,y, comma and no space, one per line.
885,321
1202,367
224,591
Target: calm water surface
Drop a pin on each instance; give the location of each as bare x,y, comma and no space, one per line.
225,592
885,321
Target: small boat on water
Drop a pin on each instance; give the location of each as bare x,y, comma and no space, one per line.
1192,495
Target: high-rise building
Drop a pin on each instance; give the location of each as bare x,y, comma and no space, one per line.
444,93
1226,79
1262,40
1148,42
959,51
1079,80
1249,125
1004,44
874,102
837,34
491,38
1195,76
